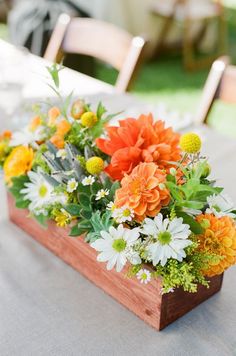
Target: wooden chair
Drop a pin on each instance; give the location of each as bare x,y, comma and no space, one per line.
220,84
188,13
100,40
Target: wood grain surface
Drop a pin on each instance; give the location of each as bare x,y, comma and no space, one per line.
145,301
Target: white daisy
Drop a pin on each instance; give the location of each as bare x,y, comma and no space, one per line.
102,193
111,206
116,247
220,205
40,193
144,275
72,185
61,154
170,238
88,180
26,136
123,214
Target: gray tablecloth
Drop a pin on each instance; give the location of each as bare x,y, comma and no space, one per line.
46,308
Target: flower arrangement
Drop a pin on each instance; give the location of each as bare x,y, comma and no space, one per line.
140,193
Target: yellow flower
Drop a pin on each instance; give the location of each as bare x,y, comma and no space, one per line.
89,119
62,218
190,143
95,165
3,149
18,162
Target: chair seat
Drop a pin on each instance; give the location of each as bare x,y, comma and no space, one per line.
192,9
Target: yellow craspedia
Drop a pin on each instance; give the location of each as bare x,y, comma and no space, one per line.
190,143
95,165
89,119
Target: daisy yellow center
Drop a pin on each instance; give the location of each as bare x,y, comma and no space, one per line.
43,191
119,245
144,276
72,185
126,213
164,237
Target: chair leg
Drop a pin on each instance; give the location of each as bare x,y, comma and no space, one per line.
188,55
189,59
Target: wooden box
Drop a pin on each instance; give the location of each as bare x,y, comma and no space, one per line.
145,301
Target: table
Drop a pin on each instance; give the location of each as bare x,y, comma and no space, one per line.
48,309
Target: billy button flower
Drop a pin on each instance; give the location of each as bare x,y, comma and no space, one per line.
89,119
190,143
95,165
77,109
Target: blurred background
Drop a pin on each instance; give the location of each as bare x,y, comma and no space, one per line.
179,52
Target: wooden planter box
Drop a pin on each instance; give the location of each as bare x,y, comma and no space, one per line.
144,300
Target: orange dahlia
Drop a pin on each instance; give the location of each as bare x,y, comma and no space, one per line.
141,140
18,162
141,191
219,238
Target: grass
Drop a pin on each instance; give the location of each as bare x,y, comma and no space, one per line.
165,81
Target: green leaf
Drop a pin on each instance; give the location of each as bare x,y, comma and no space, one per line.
42,219
54,72
22,204
84,200
80,228
100,110
170,178
194,225
95,187
75,231
114,187
193,204
86,214
66,104
18,183
73,209
92,236
83,189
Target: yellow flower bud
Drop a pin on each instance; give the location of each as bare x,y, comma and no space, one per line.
95,165
89,119
190,143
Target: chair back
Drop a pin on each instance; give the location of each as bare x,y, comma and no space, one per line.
220,84
100,40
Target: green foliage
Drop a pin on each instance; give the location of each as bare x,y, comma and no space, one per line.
54,73
180,274
39,161
99,222
193,193
42,219
73,209
195,227
18,183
